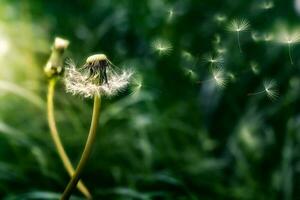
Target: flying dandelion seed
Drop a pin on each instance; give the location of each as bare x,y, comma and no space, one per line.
191,74
268,37
136,85
255,36
220,18
163,47
254,67
289,38
221,50
213,60
238,26
269,89
219,77
171,14
266,5
97,77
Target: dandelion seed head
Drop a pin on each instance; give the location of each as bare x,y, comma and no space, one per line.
238,25
80,82
163,47
96,57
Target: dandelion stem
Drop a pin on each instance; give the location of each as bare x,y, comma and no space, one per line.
238,39
56,139
290,54
87,150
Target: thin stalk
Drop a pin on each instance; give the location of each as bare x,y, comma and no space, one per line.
238,39
255,93
56,139
290,54
87,150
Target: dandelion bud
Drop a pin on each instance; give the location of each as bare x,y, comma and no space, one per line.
54,66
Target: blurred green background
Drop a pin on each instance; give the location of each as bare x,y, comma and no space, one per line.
175,136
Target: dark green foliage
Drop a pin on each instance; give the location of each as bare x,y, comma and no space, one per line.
179,136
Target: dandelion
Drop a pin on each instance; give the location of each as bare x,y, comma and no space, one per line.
163,47
97,77
238,26
289,38
269,89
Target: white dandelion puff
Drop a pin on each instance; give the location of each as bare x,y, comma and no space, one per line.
238,26
269,89
163,47
96,78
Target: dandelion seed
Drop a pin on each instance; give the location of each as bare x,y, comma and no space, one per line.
269,89
213,60
254,67
191,74
268,37
238,26
171,14
219,77
187,55
137,84
221,50
266,5
255,36
96,77
163,47
220,18
289,38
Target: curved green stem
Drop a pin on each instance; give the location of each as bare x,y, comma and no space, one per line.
56,139
87,150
